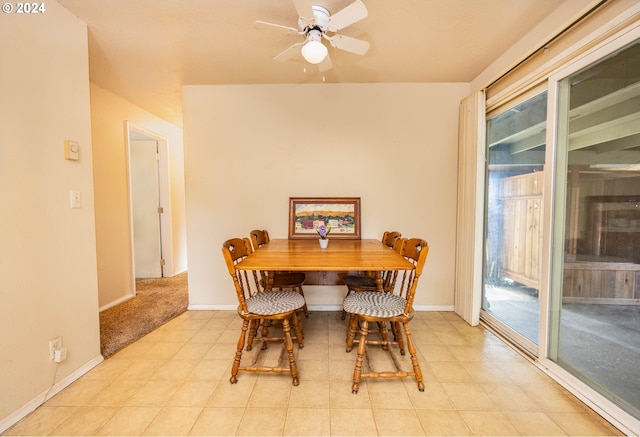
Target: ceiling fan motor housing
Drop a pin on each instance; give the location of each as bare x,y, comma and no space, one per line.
321,19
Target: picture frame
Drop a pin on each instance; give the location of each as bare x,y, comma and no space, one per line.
306,214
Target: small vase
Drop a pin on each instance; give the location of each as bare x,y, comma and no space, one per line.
324,243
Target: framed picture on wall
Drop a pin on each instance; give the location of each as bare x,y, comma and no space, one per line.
341,214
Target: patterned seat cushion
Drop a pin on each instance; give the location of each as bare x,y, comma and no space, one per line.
374,303
274,302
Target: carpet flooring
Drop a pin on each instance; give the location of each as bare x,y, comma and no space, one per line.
156,302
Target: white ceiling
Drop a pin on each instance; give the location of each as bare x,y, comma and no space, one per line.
145,50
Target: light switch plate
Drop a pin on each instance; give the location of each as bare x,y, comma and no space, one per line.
76,199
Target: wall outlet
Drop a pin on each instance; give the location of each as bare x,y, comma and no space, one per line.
54,344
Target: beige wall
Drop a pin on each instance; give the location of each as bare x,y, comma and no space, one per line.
48,262
249,148
113,230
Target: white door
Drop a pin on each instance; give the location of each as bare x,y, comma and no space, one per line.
145,201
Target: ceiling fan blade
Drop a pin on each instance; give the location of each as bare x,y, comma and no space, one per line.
263,25
349,44
305,10
353,13
325,65
288,53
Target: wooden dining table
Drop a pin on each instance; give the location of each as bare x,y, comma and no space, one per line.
366,255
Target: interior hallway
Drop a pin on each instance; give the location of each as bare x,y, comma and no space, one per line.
175,381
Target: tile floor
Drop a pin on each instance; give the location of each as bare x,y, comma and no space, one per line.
175,381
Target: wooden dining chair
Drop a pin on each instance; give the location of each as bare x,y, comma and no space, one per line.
281,280
255,307
367,282
394,307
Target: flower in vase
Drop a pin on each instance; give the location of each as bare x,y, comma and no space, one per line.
323,231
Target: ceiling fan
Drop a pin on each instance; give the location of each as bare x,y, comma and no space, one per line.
316,23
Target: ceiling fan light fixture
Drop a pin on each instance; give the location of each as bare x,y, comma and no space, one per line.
314,51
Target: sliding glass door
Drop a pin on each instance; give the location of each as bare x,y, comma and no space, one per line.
595,293
516,144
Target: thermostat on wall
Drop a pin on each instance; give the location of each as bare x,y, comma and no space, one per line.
71,150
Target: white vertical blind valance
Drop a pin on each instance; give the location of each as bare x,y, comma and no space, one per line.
469,226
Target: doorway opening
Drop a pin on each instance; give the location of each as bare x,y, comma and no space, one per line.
149,204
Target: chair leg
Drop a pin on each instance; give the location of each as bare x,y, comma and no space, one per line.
293,367
297,329
414,359
306,311
238,356
351,331
384,335
362,344
397,334
253,332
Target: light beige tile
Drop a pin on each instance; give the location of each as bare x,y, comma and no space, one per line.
307,421
85,421
550,399
117,393
42,421
466,353
185,367
397,422
193,394
342,370
164,351
221,351
434,397
233,395
312,370
442,422
79,393
533,424
310,394
141,369
583,424
211,370
129,421
524,373
108,370
192,351
453,338
342,397
450,372
488,423
440,326
270,393
469,396
176,369
217,421
173,421
398,400
436,352
509,397
485,372
262,421
353,422
155,393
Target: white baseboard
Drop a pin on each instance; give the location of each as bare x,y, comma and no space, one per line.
34,403
117,301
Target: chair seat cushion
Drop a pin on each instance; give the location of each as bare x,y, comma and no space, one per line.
359,281
269,303
288,279
375,304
